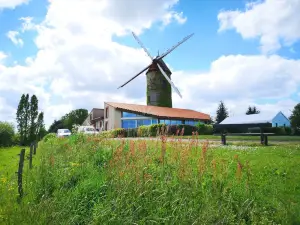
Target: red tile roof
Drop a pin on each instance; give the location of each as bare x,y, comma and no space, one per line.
162,112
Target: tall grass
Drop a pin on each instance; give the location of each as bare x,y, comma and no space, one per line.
93,180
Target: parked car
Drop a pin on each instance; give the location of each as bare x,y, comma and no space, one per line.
87,130
63,133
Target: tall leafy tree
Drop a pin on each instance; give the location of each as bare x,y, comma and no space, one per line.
295,119
57,124
20,117
26,119
40,127
252,110
33,113
222,113
74,117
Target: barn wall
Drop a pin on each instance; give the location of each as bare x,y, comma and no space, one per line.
281,121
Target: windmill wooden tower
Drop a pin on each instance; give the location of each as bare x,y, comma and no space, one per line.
159,91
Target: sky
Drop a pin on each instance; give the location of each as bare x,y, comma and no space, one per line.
75,54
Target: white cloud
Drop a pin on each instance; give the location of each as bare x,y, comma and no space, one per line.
275,22
27,24
239,81
12,35
79,66
12,3
2,56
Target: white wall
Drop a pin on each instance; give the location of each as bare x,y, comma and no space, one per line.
114,117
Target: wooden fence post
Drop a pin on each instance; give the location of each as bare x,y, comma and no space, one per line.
30,156
20,172
35,144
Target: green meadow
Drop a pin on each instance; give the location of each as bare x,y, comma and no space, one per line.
94,180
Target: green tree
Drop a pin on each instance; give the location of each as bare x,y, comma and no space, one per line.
33,113
57,124
222,113
6,134
26,119
74,117
295,119
40,127
20,117
252,110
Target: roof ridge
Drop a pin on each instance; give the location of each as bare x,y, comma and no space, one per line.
156,106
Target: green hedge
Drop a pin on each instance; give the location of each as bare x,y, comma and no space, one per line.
119,132
275,130
157,129
204,129
6,134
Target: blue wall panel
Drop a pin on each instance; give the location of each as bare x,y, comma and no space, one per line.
280,120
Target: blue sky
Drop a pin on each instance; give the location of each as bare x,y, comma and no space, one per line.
203,58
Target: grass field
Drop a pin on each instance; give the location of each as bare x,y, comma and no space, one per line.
9,160
85,180
247,138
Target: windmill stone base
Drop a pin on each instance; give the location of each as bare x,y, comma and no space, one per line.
159,92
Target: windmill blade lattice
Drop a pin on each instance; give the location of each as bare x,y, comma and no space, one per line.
141,44
168,79
175,46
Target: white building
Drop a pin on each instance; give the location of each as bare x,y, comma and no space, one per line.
122,115
276,119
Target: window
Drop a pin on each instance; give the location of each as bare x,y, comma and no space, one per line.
153,97
168,122
128,124
276,124
143,122
191,122
106,125
146,122
128,114
106,112
176,122
155,121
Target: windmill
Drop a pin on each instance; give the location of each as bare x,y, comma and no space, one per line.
159,91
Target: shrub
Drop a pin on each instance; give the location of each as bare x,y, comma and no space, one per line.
16,139
204,129
288,130
295,131
6,134
188,129
151,130
132,132
275,130
113,133
49,137
117,132
143,131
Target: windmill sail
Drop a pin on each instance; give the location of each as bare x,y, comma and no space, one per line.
141,44
175,46
168,79
135,76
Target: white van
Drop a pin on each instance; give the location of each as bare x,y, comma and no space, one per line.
87,130
63,133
